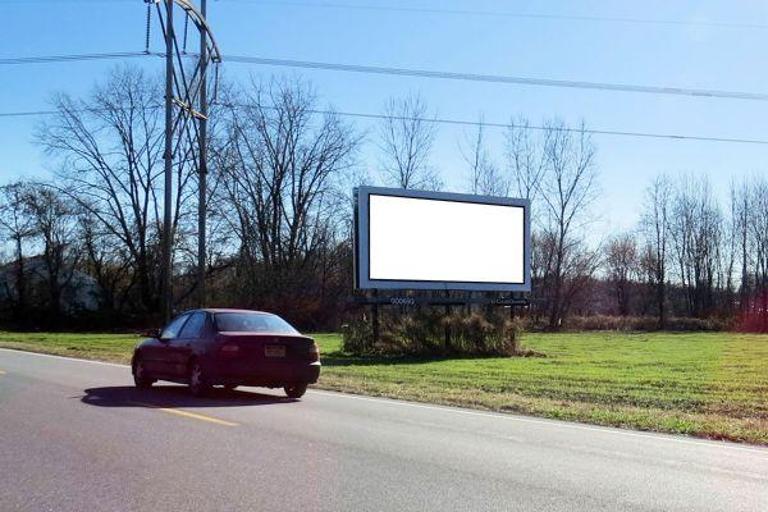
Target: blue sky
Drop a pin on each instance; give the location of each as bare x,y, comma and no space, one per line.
701,56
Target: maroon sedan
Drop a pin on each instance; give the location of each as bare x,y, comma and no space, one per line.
228,347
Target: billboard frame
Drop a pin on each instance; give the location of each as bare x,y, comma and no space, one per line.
363,280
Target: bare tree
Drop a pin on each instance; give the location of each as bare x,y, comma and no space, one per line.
526,159
732,229
406,136
696,234
54,221
567,189
484,176
621,262
111,148
278,171
105,261
655,224
740,212
17,227
758,234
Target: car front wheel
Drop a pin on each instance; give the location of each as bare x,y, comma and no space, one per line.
198,384
140,376
295,390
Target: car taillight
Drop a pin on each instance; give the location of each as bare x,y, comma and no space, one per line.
230,349
314,352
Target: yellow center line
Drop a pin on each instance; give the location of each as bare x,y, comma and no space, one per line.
192,415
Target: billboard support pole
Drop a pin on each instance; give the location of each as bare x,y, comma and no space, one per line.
447,332
375,319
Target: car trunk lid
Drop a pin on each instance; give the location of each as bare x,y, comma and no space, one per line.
268,346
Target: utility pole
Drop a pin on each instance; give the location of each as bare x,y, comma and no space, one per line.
202,210
185,89
167,298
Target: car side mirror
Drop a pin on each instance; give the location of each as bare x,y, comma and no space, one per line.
152,333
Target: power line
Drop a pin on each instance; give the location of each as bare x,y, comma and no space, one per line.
507,14
419,73
45,59
499,79
619,133
63,2
31,113
459,122
39,113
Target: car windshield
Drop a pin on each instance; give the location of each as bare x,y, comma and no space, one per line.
253,322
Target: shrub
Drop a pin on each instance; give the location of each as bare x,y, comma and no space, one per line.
355,337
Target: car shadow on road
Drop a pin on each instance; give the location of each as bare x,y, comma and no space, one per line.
176,396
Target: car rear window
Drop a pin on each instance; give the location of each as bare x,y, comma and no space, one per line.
253,322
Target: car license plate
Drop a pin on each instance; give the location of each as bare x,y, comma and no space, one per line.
274,350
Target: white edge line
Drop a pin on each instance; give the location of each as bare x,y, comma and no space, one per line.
457,410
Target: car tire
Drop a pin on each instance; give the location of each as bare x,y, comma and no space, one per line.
198,383
295,390
141,378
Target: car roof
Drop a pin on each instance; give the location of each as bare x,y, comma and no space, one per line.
229,310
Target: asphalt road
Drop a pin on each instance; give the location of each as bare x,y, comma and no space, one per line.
75,436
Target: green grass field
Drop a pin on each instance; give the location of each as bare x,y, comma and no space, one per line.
705,384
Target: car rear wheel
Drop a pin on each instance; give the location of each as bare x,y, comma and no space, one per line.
140,376
198,384
295,390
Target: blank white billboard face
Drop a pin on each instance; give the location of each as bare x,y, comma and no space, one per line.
434,240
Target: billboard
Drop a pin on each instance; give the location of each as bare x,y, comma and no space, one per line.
406,239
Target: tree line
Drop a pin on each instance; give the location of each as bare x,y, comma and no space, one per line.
83,248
